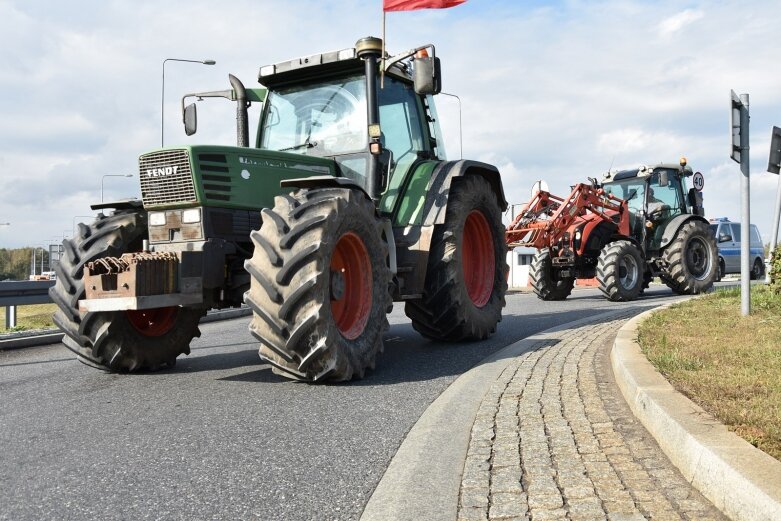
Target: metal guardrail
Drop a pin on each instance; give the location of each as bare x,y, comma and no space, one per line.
22,292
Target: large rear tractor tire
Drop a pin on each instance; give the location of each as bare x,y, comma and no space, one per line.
320,285
466,279
119,341
692,259
543,281
620,271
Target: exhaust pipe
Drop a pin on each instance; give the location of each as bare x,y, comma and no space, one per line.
242,119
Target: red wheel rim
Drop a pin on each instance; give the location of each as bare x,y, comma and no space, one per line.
351,289
477,258
153,322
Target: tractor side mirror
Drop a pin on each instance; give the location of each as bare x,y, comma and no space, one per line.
664,180
427,75
190,117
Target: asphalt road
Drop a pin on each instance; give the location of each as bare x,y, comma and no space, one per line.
221,436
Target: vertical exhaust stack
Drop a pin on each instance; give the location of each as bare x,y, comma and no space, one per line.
369,49
242,119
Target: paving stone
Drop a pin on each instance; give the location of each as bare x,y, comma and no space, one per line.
504,505
473,498
541,514
626,517
579,492
472,514
585,507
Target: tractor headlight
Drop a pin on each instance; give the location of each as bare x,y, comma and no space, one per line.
156,218
193,215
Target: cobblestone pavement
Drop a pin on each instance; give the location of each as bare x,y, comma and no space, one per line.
554,439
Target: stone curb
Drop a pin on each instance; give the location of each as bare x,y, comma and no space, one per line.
423,479
740,480
53,336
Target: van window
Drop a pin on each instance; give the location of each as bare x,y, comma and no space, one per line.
735,232
755,237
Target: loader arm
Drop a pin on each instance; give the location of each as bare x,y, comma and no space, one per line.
546,217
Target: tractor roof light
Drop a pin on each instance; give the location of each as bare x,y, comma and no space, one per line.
346,54
308,61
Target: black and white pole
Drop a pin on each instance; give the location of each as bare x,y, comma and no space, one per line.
774,166
739,122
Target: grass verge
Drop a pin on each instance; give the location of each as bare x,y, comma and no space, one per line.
728,364
35,316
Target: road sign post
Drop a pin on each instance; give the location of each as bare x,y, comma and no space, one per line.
739,152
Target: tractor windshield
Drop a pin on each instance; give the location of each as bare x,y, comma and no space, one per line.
326,118
631,189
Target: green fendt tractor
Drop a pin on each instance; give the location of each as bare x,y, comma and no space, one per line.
344,204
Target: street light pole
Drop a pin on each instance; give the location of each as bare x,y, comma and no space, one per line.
73,222
110,175
162,98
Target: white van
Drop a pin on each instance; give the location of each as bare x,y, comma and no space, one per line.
728,241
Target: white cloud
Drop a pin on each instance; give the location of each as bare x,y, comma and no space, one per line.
675,23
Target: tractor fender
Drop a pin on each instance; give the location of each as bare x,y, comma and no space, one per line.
598,228
421,209
671,230
435,206
127,204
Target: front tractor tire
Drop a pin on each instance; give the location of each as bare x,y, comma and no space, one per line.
320,285
620,271
466,280
543,281
692,259
116,341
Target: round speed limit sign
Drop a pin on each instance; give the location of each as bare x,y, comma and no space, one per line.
698,181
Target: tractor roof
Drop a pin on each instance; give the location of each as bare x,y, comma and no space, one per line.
316,66
642,171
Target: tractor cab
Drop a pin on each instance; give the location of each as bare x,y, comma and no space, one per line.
322,105
655,196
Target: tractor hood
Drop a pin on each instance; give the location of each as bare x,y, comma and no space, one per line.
223,176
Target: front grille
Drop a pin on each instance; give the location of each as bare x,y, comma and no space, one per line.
166,178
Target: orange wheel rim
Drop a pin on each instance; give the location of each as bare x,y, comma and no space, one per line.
477,258
153,322
351,288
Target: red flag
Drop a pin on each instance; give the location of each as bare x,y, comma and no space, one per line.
410,5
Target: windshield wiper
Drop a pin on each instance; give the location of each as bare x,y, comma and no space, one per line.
307,144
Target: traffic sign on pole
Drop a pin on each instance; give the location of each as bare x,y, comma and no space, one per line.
698,180
735,119
774,163
739,151
773,166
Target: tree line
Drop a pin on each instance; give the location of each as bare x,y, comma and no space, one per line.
16,264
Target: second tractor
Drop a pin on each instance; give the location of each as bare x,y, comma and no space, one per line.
634,225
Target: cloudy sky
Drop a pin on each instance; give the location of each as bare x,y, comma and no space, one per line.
557,90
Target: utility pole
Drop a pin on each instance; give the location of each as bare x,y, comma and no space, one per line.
739,129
